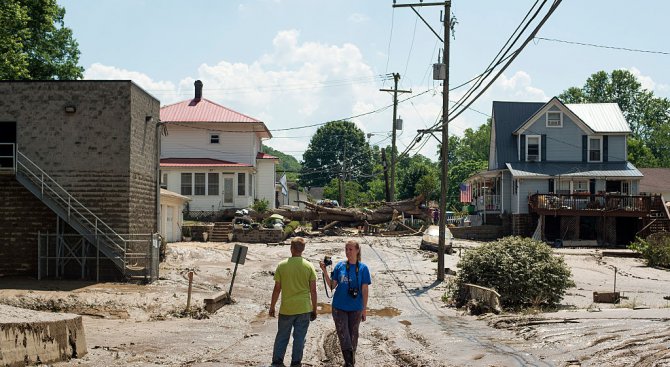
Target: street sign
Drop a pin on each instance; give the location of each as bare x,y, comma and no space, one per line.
239,254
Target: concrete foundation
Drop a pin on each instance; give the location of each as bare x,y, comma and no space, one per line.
34,337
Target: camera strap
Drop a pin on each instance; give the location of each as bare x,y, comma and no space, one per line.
325,286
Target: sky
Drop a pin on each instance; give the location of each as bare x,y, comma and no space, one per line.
298,63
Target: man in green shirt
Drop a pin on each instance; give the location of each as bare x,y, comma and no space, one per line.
295,280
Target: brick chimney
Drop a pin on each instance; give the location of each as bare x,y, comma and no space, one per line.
198,90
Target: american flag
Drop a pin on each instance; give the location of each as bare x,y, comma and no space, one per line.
466,193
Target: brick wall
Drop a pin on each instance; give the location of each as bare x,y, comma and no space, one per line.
258,235
22,216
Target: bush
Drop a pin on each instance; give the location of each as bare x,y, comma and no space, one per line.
523,271
290,228
655,249
260,206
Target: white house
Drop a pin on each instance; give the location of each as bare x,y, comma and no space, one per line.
212,155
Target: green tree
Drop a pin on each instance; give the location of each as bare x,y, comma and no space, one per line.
287,163
415,170
647,115
34,42
353,193
337,148
640,155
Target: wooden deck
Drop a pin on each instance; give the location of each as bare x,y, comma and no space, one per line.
581,204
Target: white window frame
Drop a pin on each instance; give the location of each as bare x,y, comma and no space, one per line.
588,148
560,119
539,147
578,183
626,187
214,138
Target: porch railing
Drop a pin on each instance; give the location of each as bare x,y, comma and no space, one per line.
488,203
595,202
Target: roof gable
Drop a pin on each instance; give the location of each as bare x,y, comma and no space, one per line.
547,107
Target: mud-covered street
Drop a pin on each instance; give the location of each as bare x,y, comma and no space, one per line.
408,322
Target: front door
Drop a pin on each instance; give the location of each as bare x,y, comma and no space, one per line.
7,146
228,180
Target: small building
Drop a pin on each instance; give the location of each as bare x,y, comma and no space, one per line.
656,181
78,180
172,217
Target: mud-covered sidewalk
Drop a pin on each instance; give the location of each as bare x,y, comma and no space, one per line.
408,322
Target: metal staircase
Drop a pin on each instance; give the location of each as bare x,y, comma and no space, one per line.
112,245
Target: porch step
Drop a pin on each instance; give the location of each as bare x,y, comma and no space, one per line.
220,231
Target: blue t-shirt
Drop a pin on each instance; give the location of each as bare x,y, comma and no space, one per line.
349,278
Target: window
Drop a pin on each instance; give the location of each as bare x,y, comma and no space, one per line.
533,148
251,185
241,184
554,119
199,187
564,187
186,184
212,184
164,181
595,147
580,186
214,138
625,187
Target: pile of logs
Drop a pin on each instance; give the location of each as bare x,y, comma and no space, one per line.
385,212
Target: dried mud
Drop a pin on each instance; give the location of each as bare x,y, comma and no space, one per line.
408,323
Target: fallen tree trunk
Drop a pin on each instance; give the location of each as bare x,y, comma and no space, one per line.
383,213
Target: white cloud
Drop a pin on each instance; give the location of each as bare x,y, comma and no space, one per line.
163,90
646,81
358,18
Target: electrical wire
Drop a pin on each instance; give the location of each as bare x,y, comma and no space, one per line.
603,46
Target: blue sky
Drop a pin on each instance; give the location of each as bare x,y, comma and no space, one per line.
293,63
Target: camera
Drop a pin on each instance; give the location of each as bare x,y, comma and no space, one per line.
353,292
327,261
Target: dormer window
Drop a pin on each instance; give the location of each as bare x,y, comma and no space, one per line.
554,119
533,148
214,138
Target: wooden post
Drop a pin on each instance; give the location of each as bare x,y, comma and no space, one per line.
190,284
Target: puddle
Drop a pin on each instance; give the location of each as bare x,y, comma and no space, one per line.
384,312
325,308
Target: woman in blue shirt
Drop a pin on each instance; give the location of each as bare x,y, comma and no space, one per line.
350,279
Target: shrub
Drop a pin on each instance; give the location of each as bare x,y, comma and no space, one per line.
523,271
655,249
260,206
290,228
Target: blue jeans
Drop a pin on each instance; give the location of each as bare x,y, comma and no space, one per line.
299,323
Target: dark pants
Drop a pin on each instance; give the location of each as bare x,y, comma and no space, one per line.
346,325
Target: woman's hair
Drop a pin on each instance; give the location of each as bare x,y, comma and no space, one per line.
358,247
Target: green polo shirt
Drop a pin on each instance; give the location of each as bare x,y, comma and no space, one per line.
295,274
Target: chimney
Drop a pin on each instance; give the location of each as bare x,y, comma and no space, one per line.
198,90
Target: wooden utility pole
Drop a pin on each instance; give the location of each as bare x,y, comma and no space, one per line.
395,91
444,152
387,193
445,145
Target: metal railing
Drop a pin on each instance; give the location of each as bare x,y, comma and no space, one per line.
113,245
594,202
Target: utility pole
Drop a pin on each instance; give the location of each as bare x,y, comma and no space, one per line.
395,91
444,153
387,193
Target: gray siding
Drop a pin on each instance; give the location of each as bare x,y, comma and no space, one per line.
616,148
563,143
527,187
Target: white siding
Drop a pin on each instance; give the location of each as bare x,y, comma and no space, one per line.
183,142
265,181
209,202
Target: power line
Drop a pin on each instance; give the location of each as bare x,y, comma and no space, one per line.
603,46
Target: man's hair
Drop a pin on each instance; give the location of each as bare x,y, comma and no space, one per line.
298,244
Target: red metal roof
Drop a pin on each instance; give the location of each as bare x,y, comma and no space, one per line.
262,155
199,162
202,110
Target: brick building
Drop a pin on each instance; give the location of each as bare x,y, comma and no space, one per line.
78,165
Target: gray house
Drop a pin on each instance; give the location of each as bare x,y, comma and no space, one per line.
561,171
78,180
